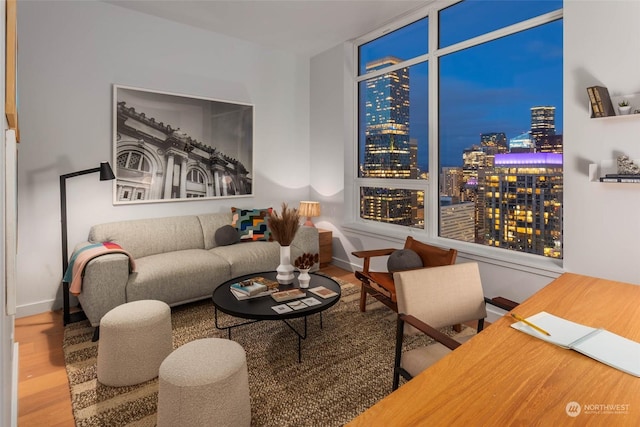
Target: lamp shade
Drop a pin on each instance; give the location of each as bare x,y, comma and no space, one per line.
309,210
106,174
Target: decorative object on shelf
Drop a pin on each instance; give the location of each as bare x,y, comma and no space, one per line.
601,105
106,174
626,166
624,108
309,209
283,228
304,263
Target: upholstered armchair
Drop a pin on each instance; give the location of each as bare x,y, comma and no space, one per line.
430,299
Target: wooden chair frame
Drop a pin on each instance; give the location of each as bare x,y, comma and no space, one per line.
380,284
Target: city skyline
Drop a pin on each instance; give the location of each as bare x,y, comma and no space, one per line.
507,77
499,129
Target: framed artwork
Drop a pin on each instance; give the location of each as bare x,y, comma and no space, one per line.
169,147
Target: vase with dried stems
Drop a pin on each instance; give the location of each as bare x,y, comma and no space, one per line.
283,228
304,263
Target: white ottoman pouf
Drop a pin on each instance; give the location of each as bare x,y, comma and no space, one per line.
205,383
134,340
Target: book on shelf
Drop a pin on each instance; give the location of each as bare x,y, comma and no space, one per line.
601,105
595,108
597,343
288,295
240,296
323,292
612,177
249,287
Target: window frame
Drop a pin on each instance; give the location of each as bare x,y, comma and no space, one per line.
397,233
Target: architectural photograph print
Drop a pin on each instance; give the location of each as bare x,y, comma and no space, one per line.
170,147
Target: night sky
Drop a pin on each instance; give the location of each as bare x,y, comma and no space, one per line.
486,88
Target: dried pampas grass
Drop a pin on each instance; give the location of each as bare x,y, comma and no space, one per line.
284,226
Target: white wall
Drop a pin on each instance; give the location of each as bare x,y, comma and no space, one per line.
70,55
601,232
601,226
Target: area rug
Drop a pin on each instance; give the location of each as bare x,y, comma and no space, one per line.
346,366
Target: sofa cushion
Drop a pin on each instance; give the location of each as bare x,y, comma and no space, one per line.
144,237
210,223
226,235
251,223
177,277
250,257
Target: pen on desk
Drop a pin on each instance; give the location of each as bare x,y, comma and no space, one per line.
526,322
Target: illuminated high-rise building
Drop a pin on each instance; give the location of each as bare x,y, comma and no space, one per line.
494,142
543,124
457,220
388,151
523,143
524,203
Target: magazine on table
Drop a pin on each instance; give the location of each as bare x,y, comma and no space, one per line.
288,295
240,296
323,292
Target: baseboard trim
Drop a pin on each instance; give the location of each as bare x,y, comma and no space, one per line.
35,308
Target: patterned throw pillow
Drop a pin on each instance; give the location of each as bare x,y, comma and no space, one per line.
251,223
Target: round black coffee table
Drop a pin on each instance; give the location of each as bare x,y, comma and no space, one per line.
260,308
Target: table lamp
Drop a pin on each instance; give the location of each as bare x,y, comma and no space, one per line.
309,209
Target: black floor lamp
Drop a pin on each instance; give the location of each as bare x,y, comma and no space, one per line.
106,174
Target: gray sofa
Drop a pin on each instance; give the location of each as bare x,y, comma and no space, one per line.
177,261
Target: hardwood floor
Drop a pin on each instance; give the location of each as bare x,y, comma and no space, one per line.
43,389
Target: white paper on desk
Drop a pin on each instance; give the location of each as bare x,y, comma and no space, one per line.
599,344
611,349
563,332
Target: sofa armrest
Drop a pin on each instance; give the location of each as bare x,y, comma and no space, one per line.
306,241
104,285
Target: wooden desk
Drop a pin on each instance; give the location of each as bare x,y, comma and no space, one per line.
504,377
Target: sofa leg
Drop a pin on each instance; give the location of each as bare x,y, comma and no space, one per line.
96,334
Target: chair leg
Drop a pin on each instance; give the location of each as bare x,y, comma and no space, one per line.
398,355
363,297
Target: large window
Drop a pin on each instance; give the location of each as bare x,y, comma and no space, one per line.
490,127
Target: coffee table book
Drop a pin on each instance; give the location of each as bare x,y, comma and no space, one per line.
240,296
249,287
323,292
288,295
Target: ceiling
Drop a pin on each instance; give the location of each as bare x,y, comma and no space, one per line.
305,27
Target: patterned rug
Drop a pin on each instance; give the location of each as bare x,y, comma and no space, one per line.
346,366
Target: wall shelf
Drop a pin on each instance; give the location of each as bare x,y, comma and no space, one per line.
634,101
598,170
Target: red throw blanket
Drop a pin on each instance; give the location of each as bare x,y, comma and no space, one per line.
82,256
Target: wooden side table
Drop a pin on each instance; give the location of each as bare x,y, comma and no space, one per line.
326,251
